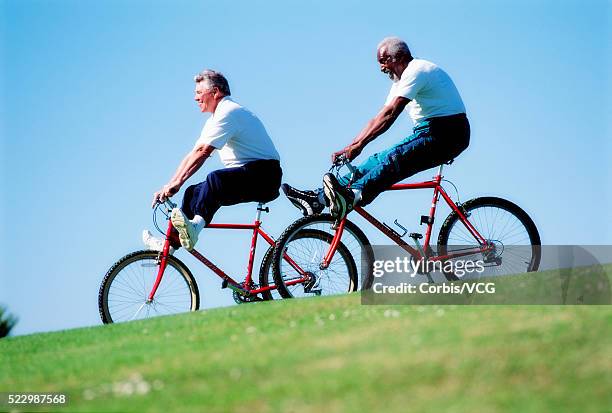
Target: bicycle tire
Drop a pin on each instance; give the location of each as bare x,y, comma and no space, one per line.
358,244
122,278
481,212
265,275
339,277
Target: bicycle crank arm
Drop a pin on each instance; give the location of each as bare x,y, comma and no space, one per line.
238,289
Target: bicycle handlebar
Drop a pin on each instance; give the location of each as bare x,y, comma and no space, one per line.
167,203
342,160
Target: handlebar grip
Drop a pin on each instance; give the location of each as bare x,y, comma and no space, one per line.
342,160
167,203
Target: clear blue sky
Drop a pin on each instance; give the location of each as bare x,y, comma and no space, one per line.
97,110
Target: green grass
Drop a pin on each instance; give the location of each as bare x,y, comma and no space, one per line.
328,355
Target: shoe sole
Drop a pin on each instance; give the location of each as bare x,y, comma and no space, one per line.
337,202
301,205
304,206
179,222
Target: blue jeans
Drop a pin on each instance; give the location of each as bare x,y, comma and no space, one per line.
432,143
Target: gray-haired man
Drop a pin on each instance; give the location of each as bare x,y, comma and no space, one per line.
252,169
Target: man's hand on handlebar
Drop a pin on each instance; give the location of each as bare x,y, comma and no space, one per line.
166,192
338,157
158,198
347,154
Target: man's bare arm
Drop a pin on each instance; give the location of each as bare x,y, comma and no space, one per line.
192,162
180,168
188,166
375,127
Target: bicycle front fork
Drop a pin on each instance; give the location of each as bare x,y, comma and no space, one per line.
162,261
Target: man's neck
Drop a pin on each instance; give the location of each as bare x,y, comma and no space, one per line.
216,104
407,62
403,65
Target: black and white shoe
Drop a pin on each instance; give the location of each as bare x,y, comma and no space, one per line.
306,201
341,199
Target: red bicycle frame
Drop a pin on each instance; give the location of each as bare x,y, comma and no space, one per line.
243,288
416,253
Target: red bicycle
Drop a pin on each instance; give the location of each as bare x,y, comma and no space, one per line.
490,228
151,283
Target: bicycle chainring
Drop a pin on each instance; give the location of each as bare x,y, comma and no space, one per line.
430,253
242,299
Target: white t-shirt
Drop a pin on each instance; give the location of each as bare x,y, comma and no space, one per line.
431,91
238,134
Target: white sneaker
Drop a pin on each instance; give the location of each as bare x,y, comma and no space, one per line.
188,233
153,243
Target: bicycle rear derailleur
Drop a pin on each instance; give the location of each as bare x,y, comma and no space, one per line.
313,285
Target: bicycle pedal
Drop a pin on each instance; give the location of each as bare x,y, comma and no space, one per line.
415,235
224,284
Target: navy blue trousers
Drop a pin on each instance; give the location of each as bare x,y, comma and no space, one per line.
256,181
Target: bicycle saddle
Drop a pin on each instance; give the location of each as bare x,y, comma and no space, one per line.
268,197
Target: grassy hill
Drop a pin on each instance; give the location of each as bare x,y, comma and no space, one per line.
327,355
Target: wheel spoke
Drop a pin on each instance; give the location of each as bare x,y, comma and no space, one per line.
307,247
506,229
126,290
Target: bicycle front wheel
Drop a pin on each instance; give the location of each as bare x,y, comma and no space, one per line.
298,255
126,287
506,228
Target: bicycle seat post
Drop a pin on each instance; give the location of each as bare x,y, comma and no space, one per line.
260,209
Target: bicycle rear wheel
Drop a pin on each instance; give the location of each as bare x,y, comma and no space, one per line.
266,277
504,225
127,284
306,249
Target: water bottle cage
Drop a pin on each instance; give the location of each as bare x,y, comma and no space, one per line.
405,231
